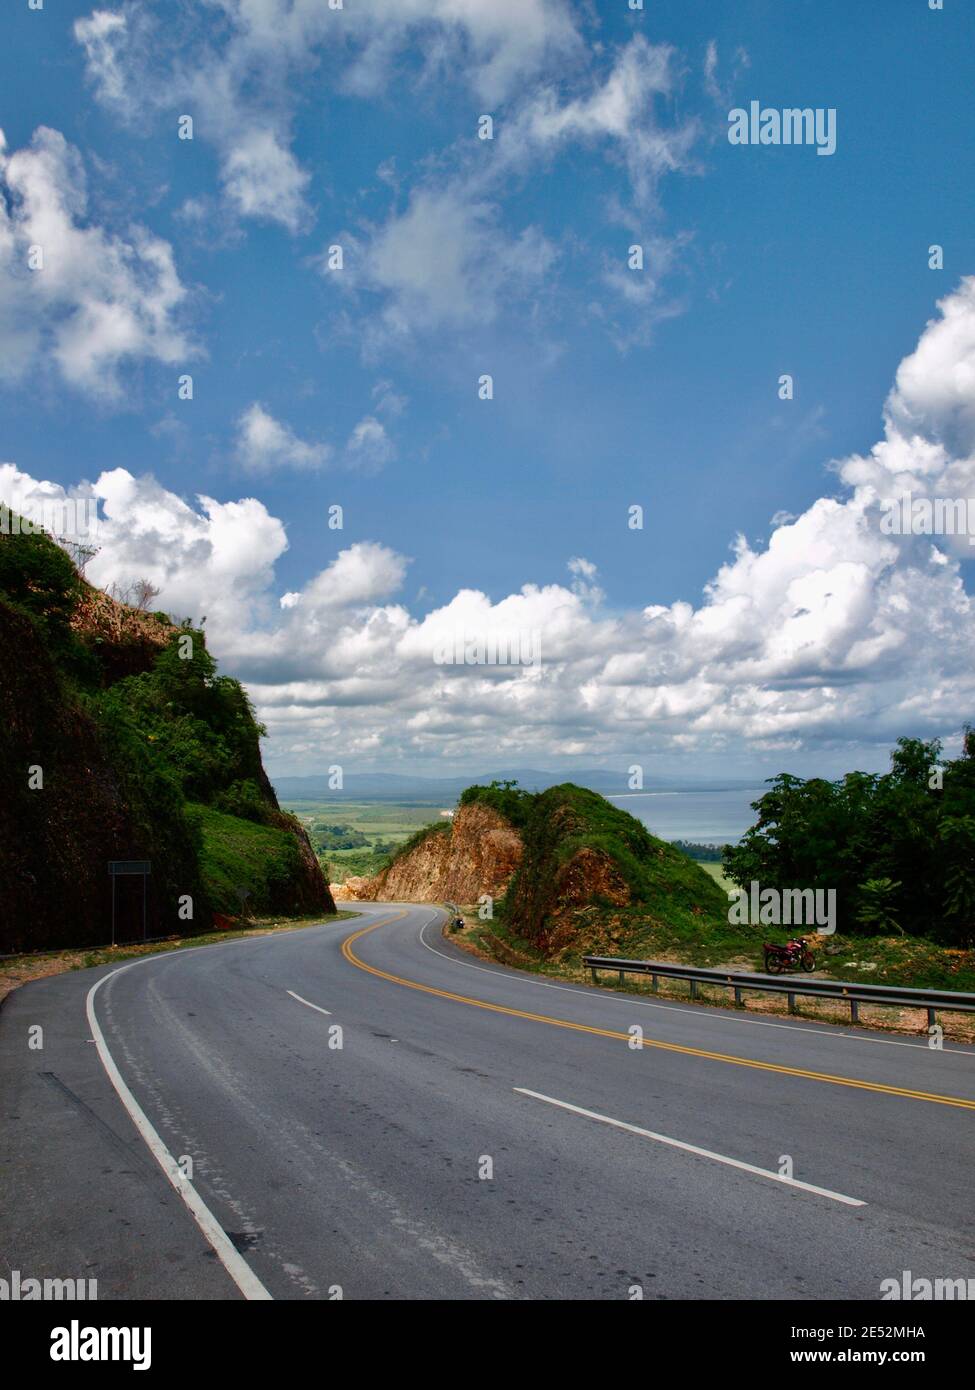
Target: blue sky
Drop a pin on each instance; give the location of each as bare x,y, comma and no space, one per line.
611,387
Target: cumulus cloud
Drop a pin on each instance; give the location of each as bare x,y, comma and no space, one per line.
263,179
928,448
833,633
104,35
496,45
264,444
584,584
94,299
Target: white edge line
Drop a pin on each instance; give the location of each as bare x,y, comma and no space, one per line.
693,1149
231,1259
308,1003
822,1030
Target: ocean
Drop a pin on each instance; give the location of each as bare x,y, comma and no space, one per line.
719,818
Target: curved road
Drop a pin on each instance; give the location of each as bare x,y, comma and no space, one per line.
370,1112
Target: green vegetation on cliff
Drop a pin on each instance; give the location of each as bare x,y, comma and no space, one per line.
592,874
120,740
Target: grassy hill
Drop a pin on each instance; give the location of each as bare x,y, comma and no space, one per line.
592,877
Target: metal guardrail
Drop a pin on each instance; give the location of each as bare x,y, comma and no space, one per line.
854,994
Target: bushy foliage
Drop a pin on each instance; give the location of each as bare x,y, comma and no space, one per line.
126,746
38,575
339,837
248,869
198,725
507,798
898,848
244,798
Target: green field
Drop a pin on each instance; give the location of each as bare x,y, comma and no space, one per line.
717,874
384,824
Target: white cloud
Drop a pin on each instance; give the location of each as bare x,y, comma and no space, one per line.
265,444
620,110
104,35
928,448
718,91
494,45
389,401
445,262
263,179
369,445
834,633
448,261
584,584
99,300
215,558
238,78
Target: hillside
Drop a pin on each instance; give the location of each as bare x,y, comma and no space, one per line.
569,871
453,861
119,740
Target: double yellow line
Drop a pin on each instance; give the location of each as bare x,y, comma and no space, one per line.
957,1101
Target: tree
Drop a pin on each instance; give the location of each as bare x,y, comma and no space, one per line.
899,849
958,839
143,592
877,906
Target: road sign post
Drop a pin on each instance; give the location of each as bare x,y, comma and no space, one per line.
125,868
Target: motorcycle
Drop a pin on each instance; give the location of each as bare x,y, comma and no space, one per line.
794,955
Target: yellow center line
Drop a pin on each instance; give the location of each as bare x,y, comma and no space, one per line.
957,1101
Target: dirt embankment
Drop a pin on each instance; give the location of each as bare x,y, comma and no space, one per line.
477,854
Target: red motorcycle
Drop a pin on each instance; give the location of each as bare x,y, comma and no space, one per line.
794,955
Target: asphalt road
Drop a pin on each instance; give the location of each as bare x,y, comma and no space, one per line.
432,1156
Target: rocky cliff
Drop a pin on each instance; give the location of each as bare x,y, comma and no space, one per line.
475,853
564,866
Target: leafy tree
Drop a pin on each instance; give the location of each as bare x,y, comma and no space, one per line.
877,906
958,838
911,830
199,725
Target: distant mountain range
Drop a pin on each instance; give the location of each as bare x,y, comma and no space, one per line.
393,786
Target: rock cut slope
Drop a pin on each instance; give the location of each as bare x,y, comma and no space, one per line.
457,862
564,866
